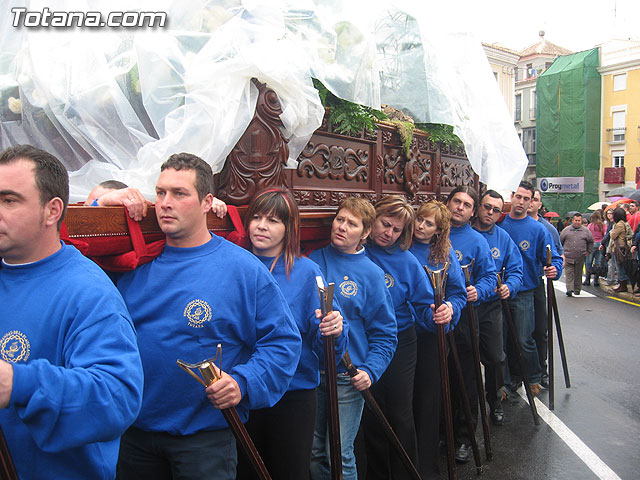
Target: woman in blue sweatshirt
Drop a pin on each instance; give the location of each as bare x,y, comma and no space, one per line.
431,246
412,295
283,434
366,304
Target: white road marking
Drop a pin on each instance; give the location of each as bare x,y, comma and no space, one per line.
584,453
562,287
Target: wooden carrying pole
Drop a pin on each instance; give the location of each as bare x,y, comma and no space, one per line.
209,375
466,269
552,311
335,448
386,427
7,468
437,279
516,345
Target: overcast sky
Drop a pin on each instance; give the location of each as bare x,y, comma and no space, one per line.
573,24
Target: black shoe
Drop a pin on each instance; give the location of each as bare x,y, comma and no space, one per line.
569,293
497,415
544,381
463,453
576,292
596,283
586,283
513,388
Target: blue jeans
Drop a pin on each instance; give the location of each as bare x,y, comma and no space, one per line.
622,274
594,259
522,313
350,405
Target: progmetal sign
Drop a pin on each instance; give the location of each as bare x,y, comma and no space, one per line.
561,184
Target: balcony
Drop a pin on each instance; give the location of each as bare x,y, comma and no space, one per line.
615,136
532,113
614,175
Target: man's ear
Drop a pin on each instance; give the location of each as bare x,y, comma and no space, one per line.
53,211
206,203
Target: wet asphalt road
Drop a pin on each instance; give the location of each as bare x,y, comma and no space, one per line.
602,407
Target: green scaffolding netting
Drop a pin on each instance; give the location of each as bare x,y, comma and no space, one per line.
568,128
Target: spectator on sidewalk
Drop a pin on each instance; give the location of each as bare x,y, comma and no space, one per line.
577,242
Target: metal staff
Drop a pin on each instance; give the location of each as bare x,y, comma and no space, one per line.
377,412
7,468
335,449
437,278
552,311
465,402
466,269
209,375
516,343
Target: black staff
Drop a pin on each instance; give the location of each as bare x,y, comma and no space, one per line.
7,468
552,311
465,402
386,427
437,278
335,449
516,344
209,375
466,269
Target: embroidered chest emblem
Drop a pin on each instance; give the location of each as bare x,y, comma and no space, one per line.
524,245
15,347
348,288
459,255
495,252
388,280
197,312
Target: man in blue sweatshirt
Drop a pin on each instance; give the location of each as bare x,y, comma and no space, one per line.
200,292
539,293
532,238
506,256
470,245
70,371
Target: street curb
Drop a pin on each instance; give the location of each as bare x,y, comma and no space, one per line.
628,296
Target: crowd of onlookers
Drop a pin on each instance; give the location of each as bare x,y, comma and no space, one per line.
606,244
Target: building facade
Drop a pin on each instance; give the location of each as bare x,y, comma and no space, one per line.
503,63
620,140
533,61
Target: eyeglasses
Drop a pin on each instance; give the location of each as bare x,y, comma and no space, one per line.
491,209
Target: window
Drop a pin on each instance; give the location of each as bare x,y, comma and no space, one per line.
618,130
617,159
529,140
619,82
532,103
518,113
530,71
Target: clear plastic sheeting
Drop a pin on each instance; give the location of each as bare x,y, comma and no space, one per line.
116,102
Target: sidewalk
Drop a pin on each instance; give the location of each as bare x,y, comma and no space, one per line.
628,296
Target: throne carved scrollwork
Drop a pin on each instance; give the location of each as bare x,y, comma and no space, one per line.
258,159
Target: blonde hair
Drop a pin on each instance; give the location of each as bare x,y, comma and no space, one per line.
397,206
362,209
440,244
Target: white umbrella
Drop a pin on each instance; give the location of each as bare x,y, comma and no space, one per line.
598,205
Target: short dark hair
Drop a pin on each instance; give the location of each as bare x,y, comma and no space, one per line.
577,214
528,186
188,161
113,184
619,214
537,190
492,194
52,179
469,191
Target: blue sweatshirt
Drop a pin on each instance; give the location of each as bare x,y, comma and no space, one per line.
186,302
301,294
366,303
532,239
455,290
77,375
505,254
553,231
468,245
406,280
